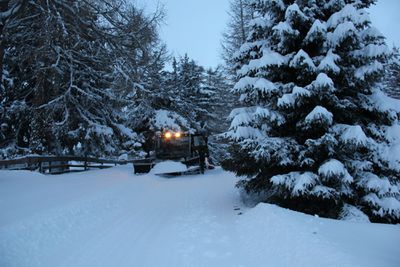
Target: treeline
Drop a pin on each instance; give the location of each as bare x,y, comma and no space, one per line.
313,132
88,77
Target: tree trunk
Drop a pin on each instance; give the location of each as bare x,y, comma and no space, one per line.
242,23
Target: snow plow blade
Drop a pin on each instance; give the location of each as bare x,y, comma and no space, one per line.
191,171
143,166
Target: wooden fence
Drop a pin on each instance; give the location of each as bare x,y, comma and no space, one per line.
59,164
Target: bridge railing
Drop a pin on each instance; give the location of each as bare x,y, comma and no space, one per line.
59,164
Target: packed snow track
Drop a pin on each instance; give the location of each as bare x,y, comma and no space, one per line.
115,218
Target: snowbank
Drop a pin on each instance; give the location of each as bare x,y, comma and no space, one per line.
113,218
168,166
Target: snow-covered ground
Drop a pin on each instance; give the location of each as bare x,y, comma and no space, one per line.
114,218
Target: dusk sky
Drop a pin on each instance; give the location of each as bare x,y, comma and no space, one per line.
195,26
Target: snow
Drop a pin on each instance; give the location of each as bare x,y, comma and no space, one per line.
346,14
371,32
372,51
245,132
302,59
303,182
353,134
289,100
329,63
165,119
391,154
259,22
319,113
341,32
393,133
265,113
261,84
99,130
334,168
382,102
286,100
167,167
334,4
316,29
115,218
300,91
240,116
369,69
245,48
298,183
269,58
376,184
123,157
353,214
324,246
283,28
323,82
294,11
385,205
246,116
324,192
126,131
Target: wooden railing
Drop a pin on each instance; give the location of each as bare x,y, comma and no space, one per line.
59,164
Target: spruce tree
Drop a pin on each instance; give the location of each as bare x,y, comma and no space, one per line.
219,102
315,132
181,103
392,77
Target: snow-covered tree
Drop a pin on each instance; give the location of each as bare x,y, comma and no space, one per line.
315,130
8,9
139,71
181,95
219,102
238,28
189,96
65,60
167,99
392,77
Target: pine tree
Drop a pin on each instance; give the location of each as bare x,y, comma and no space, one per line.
170,108
219,102
392,77
182,96
189,96
316,132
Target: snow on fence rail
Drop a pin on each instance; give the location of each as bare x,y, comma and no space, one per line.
59,164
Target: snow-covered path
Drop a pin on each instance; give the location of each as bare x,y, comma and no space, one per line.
114,218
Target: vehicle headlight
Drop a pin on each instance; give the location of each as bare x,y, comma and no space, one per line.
168,135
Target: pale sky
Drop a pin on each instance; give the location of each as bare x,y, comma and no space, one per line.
195,26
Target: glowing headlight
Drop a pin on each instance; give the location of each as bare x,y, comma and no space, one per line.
168,135
177,135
